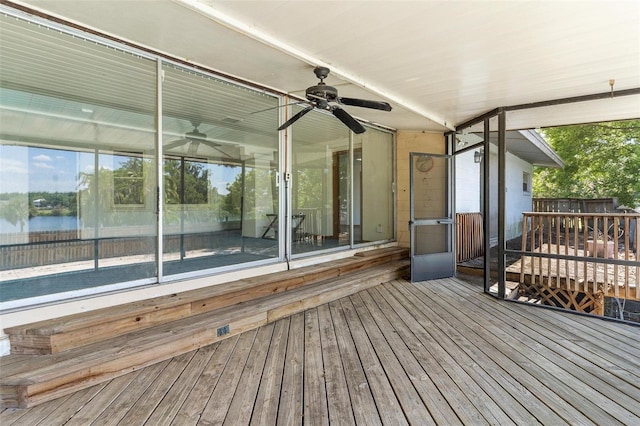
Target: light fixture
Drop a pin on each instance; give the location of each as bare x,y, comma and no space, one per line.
193,147
464,139
478,155
611,83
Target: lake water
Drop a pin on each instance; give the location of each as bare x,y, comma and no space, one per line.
42,223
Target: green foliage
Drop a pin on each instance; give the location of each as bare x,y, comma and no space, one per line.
193,189
108,197
248,194
128,182
15,210
232,202
62,203
602,160
308,188
96,195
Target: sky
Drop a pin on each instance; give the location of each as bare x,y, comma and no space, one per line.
25,169
29,169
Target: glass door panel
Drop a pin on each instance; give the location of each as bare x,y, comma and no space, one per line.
320,194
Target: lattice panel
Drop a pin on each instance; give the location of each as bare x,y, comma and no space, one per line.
567,299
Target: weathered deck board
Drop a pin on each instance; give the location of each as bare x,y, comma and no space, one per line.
357,384
553,372
290,403
99,403
409,395
383,393
473,340
178,392
568,381
398,353
122,404
482,386
315,391
580,353
265,409
338,401
218,405
422,379
194,405
67,410
247,389
147,403
446,379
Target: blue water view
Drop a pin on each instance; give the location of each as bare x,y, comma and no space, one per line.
41,223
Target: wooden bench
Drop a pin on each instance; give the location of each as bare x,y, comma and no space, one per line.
170,328
64,333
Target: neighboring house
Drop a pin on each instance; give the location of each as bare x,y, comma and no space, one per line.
525,149
40,202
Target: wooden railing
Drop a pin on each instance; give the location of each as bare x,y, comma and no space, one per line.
469,236
575,205
582,252
50,248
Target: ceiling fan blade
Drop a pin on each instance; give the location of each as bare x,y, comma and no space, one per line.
348,120
279,106
216,146
384,106
174,144
295,118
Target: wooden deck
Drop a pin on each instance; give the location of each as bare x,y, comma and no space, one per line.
437,352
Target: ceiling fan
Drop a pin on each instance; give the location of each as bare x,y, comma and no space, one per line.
322,96
194,138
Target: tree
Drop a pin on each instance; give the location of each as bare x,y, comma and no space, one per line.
602,160
16,211
247,195
108,197
128,182
186,181
309,187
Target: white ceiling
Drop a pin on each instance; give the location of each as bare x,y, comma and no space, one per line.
439,63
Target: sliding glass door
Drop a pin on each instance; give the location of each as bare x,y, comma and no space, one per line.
220,169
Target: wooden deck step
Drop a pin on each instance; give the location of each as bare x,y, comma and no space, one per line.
39,378
65,333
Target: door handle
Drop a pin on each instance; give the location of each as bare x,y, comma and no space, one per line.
446,222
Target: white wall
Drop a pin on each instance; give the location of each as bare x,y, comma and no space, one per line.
468,186
517,200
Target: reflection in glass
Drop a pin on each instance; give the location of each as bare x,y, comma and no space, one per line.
219,173
76,174
320,187
80,170
373,186
468,138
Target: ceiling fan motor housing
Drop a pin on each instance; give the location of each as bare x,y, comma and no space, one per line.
195,134
321,72
322,91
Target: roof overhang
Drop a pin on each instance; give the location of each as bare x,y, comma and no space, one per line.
439,63
531,146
